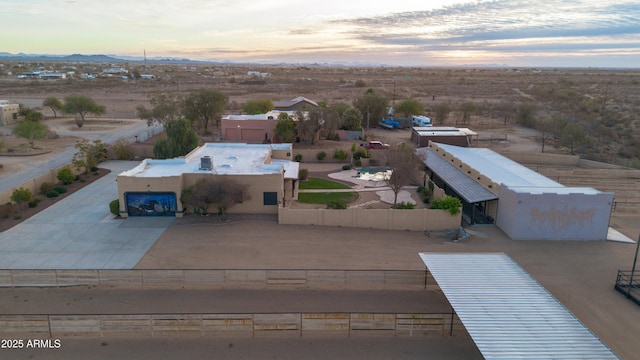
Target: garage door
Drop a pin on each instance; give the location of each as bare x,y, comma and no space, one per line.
151,203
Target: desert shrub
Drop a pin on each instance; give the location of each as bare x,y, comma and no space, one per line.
405,205
302,174
66,175
34,203
17,217
46,187
337,204
52,194
360,153
346,167
321,155
6,210
60,189
340,154
360,83
122,150
21,195
298,157
114,207
420,189
449,203
93,169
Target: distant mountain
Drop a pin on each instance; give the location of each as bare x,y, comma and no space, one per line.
90,58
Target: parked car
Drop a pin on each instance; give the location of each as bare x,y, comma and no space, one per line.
374,144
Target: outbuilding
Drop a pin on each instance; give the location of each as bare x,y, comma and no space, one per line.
523,203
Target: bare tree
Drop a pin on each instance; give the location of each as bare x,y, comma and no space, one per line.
220,191
406,166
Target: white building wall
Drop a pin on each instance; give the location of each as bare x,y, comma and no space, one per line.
552,216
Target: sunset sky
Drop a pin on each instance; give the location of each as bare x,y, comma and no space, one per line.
555,33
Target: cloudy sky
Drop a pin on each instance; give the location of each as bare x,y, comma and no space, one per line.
560,33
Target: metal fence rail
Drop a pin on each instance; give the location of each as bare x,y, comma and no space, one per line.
220,278
628,283
243,325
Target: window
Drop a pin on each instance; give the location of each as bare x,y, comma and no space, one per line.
270,198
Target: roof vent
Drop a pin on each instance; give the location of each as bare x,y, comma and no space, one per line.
205,163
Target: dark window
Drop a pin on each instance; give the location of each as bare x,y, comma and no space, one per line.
270,198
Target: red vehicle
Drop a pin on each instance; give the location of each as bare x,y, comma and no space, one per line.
374,144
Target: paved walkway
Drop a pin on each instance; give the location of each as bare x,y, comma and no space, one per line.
81,233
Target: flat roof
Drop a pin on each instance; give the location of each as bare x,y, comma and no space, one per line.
226,158
443,131
466,187
508,314
499,169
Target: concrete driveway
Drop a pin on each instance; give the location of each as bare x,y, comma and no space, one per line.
79,232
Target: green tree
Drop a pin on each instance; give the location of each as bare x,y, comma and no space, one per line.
21,195
526,115
65,175
82,105
573,136
352,119
54,104
31,130
441,111
257,106
285,130
372,106
180,140
467,108
205,105
164,107
89,154
410,107
406,165
30,114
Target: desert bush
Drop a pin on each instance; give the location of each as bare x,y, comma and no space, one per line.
52,194
122,149
449,203
66,175
405,205
302,174
34,203
360,83
346,167
6,211
340,154
60,189
298,158
17,217
321,155
21,195
114,207
337,204
360,153
46,187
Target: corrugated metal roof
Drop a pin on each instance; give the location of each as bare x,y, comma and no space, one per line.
508,313
500,169
466,187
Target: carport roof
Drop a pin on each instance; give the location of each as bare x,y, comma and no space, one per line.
508,314
467,188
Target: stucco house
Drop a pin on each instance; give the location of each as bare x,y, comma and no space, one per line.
251,128
299,103
154,187
8,113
